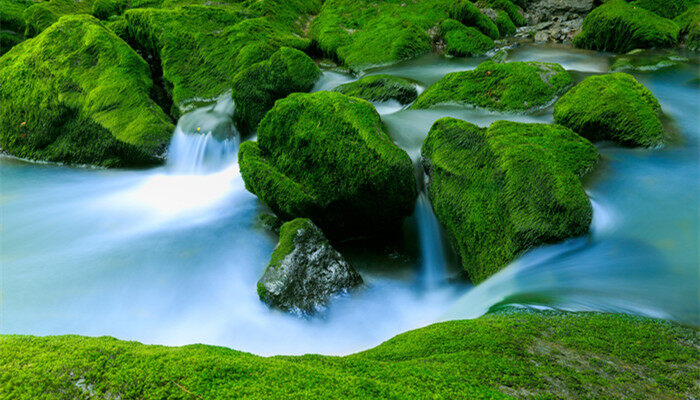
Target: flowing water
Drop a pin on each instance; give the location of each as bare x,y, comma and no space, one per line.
171,255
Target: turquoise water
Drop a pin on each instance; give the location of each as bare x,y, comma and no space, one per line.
171,255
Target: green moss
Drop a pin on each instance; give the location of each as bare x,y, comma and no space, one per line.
201,48
326,156
505,25
12,24
689,23
508,7
381,87
41,15
285,245
665,8
464,41
104,9
620,27
503,190
78,94
512,86
362,33
547,356
612,107
256,88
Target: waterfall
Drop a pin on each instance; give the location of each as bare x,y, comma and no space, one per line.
205,140
433,261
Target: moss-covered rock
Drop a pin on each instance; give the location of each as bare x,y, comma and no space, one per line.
620,27
12,24
103,9
362,33
612,107
326,156
201,48
503,190
498,356
256,88
513,86
689,23
381,87
305,271
514,14
666,8
42,14
78,94
462,40
505,25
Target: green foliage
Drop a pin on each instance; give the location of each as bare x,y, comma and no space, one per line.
689,23
612,107
104,9
256,88
326,156
665,8
41,15
509,86
201,48
505,25
503,190
78,94
508,7
12,24
620,27
461,41
548,356
381,87
470,15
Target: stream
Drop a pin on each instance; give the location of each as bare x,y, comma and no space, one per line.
171,255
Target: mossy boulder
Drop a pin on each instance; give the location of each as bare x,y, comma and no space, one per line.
462,41
508,7
513,86
381,87
665,8
201,48
689,23
612,107
363,33
505,25
256,88
42,14
620,27
78,94
305,271
12,24
326,156
103,9
503,190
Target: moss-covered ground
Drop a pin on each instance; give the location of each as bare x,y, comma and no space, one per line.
502,190
498,356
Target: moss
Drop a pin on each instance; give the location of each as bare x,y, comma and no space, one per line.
256,88
612,107
201,48
363,33
689,23
41,15
509,86
505,25
509,8
572,356
502,190
382,87
665,8
12,24
464,41
103,9
78,94
620,27
326,156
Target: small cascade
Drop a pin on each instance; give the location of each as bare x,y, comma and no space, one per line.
205,140
433,260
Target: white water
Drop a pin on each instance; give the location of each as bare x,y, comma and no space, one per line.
433,260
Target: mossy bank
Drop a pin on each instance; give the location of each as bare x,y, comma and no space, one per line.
499,356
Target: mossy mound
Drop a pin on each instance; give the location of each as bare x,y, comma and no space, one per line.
326,156
513,86
103,9
505,25
462,41
499,356
382,87
665,8
508,7
41,15
305,271
503,190
256,88
201,48
362,33
78,94
620,27
689,23
612,107
12,24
